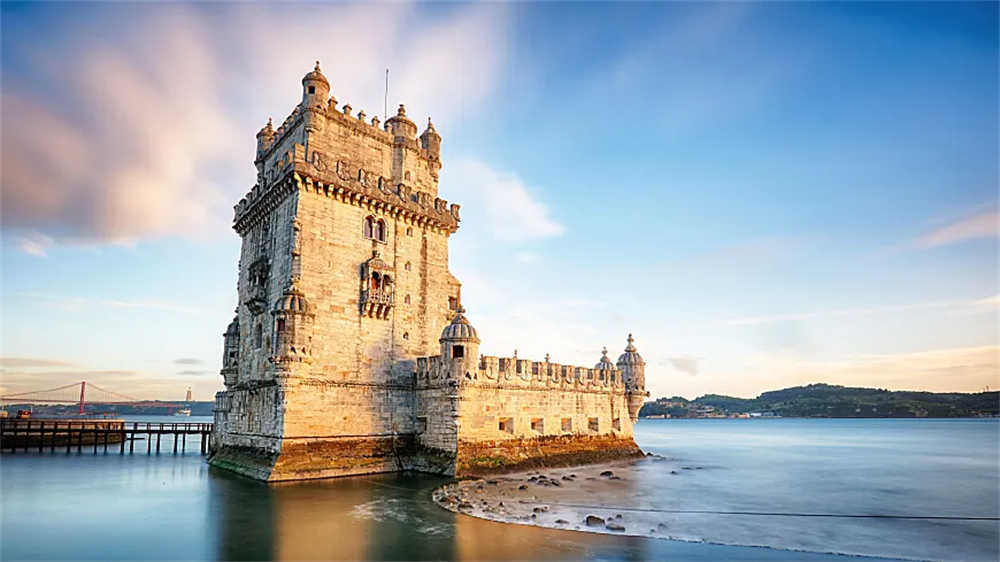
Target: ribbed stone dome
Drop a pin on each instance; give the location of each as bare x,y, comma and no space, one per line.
316,75
292,300
605,363
460,329
631,356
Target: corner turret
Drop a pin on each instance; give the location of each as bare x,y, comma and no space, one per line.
293,320
315,89
633,369
231,353
460,343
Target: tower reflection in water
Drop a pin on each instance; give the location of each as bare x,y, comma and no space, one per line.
384,517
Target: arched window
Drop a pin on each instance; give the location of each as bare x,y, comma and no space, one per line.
369,227
406,176
258,336
407,299
376,281
380,231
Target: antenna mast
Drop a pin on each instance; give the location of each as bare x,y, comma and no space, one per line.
385,100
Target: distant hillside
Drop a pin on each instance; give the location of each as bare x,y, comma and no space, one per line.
831,401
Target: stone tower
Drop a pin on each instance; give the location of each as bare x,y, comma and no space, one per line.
350,352
343,282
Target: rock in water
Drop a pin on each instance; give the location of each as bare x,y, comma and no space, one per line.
594,521
607,473
612,526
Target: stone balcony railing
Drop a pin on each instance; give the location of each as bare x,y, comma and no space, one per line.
377,303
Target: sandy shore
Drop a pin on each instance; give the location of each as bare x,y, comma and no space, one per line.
601,498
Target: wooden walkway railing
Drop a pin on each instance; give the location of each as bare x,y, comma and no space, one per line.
28,434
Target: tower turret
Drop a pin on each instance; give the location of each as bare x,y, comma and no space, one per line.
460,344
315,89
633,369
293,320
265,136
231,352
430,142
400,126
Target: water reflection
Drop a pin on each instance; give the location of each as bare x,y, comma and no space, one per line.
384,517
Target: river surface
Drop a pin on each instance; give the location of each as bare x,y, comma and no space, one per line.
107,507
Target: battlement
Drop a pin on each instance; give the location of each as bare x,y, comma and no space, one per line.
350,183
513,372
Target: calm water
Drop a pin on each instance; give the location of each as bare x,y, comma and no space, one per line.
175,507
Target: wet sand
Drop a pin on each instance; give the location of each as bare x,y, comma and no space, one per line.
601,498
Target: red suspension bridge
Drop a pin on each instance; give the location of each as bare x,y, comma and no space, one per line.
84,393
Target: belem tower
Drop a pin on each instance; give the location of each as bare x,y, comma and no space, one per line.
350,352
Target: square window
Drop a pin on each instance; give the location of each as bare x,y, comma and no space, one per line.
617,424
421,424
538,425
312,89
593,425
506,425
567,425
458,351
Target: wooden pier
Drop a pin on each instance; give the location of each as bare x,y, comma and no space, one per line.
54,434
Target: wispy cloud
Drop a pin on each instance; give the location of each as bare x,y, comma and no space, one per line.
962,369
510,210
26,362
75,303
188,373
188,361
976,305
145,141
974,227
685,364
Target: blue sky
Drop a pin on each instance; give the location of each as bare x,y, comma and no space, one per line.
766,194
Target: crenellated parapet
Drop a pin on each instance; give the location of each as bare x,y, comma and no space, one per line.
513,372
349,184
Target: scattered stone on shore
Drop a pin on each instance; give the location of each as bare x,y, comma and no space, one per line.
561,522
465,505
567,478
612,526
493,482
540,509
607,474
594,521
618,516
525,486
614,477
674,472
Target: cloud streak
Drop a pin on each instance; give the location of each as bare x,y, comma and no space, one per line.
76,303
501,201
976,227
157,136
977,305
